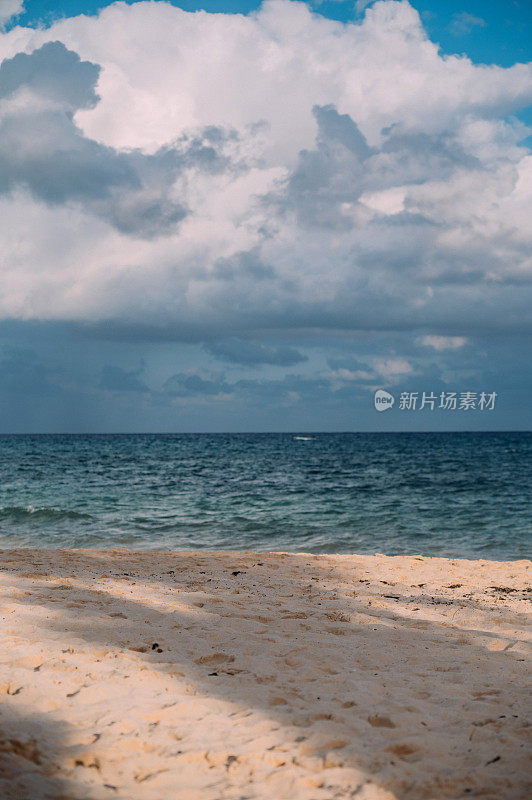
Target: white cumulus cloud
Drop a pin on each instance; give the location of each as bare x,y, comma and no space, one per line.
211,174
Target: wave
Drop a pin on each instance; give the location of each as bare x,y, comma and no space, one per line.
40,514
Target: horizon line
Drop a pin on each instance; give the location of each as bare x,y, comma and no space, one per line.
248,433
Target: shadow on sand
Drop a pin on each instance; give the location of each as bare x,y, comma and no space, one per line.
364,685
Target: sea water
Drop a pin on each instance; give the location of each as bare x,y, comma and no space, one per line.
449,494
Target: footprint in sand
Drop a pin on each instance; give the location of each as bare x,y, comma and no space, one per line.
278,701
214,658
380,722
404,751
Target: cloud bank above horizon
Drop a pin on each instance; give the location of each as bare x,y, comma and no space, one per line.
205,176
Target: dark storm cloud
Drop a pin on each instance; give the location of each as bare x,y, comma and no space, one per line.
116,379
41,148
407,158
54,73
247,265
191,384
340,128
250,353
48,155
23,372
328,175
292,387
207,384
342,167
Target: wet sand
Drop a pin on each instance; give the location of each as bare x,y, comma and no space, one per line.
213,676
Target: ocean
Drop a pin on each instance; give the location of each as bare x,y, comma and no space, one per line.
448,494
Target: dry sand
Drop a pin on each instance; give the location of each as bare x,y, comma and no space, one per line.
203,676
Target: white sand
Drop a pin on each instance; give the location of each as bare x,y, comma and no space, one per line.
300,677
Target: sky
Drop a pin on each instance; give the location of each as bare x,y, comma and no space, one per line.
233,216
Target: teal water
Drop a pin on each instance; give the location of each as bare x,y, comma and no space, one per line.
451,494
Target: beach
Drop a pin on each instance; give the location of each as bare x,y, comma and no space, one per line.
218,675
